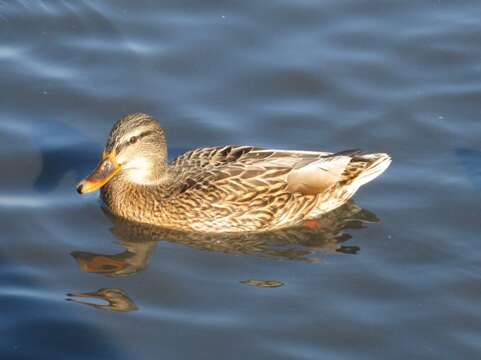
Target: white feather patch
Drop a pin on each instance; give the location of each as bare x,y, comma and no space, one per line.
314,177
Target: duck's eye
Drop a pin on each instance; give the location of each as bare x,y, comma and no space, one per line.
133,139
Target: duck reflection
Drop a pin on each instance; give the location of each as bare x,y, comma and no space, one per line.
300,243
127,263
116,300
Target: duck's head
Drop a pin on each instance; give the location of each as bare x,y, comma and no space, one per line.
136,151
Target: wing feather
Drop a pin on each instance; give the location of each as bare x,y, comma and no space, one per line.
236,167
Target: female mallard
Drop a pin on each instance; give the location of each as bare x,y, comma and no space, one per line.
222,189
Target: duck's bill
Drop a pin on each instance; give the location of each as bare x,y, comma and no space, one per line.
102,174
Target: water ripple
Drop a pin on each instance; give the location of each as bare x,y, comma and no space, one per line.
399,77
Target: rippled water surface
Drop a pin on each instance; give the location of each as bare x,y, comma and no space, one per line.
395,274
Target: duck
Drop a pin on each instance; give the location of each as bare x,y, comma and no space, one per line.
222,189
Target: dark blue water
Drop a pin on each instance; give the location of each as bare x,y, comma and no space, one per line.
396,274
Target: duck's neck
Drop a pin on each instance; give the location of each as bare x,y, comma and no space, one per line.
135,201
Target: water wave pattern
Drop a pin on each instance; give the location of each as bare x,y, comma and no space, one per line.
391,76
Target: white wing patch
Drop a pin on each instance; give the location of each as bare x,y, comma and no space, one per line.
311,177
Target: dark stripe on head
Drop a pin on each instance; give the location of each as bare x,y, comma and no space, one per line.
127,143
126,125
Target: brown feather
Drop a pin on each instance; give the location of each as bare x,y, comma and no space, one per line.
237,188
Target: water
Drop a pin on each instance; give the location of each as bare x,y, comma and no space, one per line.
395,275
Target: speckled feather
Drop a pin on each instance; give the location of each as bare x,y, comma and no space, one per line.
242,188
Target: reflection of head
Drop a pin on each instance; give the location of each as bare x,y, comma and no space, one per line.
117,299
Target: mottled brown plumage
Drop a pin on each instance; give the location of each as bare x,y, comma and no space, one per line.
222,189
306,243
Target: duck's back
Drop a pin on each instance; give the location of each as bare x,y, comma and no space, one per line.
241,188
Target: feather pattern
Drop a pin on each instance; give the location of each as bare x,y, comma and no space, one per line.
242,188
238,188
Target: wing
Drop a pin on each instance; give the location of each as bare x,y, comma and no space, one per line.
247,188
242,172
217,156
212,156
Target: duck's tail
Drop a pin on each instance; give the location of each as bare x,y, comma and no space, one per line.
364,168
361,169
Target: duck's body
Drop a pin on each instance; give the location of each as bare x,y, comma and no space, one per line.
231,188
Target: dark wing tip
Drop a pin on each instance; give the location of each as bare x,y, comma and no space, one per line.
350,152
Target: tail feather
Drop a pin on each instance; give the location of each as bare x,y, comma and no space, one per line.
365,168
362,169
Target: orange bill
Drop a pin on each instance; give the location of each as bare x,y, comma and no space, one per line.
104,171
